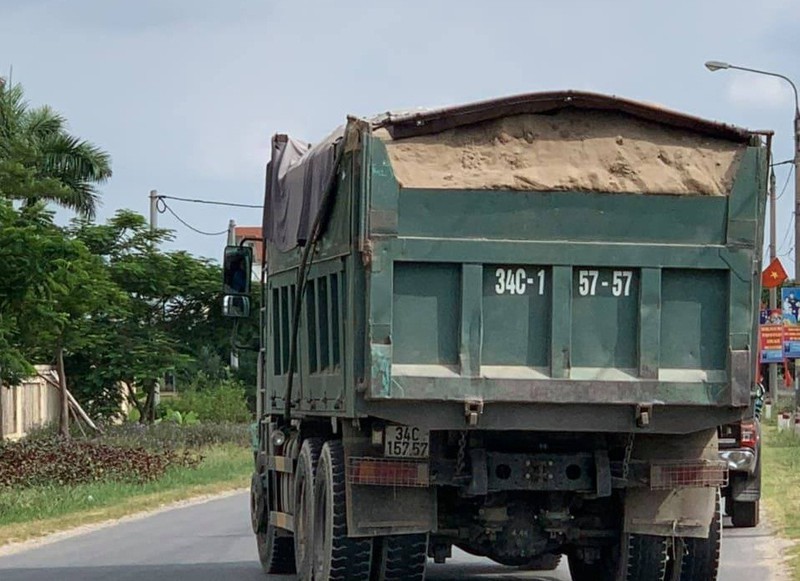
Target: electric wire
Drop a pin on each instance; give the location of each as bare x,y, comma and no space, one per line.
210,202
785,184
162,207
786,235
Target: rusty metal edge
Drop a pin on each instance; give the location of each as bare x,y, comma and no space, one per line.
415,124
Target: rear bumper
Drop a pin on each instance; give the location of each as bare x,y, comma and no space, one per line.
547,417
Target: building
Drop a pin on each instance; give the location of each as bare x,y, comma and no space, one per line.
241,233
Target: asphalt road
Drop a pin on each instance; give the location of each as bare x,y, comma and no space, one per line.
212,542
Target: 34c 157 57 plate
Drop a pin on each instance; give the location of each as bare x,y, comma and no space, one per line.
406,442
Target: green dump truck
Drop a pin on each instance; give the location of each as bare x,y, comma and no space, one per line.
511,327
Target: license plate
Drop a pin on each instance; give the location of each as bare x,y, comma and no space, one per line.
406,442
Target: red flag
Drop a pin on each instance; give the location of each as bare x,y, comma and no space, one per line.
774,275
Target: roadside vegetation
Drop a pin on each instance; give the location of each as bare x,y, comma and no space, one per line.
135,330
117,313
781,487
48,483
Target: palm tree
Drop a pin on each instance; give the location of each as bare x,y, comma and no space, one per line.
40,161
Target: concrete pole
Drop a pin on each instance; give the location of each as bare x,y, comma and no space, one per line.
773,292
231,233
234,362
796,222
153,210
153,226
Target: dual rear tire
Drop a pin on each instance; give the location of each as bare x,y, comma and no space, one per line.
321,548
655,558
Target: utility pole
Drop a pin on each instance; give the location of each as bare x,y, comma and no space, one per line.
151,412
719,66
231,233
153,210
796,219
232,242
773,292
796,190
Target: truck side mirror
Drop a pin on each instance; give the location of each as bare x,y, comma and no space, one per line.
236,306
237,268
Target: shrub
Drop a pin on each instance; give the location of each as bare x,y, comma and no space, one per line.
42,462
224,401
170,435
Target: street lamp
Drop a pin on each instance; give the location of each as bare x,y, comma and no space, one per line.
718,66
773,298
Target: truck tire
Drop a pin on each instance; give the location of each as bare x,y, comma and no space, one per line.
744,514
401,557
337,557
275,548
636,558
303,495
701,556
643,557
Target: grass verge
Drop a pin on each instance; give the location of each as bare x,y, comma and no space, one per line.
38,511
781,488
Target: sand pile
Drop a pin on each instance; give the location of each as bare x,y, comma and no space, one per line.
571,150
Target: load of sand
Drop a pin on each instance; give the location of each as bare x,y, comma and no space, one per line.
572,150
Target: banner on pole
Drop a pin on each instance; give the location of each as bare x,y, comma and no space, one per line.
790,301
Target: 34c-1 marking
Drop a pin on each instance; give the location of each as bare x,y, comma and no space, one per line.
515,281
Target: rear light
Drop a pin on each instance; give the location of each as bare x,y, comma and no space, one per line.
688,474
749,435
383,472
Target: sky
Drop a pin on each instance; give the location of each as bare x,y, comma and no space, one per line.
186,94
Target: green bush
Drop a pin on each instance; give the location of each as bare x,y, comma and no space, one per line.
170,435
222,401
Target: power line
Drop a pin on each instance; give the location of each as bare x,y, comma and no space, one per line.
210,202
786,236
162,206
786,183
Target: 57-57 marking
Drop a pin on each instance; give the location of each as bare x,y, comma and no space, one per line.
620,283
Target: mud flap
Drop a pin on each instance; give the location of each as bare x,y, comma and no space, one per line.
378,510
685,512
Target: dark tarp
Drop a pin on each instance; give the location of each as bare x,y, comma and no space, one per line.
297,176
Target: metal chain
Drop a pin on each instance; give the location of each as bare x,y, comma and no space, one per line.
462,450
628,452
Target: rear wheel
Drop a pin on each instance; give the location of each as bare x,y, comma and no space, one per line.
304,505
635,558
644,558
401,557
275,547
701,556
337,557
744,514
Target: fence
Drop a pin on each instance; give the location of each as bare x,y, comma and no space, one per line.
33,403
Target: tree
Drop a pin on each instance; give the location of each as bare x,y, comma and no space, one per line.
171,321
50,282
41,161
